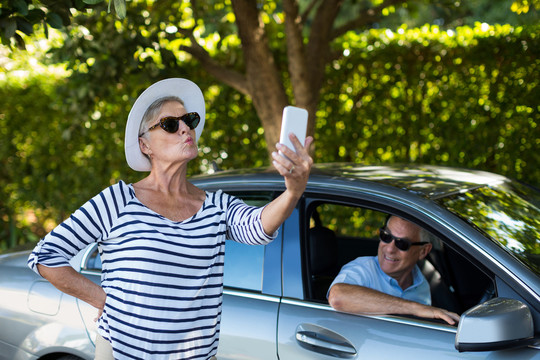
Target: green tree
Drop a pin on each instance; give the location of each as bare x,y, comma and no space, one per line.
275,53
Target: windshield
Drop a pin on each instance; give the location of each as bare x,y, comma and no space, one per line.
508,213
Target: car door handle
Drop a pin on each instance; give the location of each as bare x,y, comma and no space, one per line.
318,339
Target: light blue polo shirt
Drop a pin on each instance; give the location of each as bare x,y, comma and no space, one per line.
366,271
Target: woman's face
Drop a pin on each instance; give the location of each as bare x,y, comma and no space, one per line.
166,147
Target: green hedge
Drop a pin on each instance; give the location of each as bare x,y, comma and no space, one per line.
467,97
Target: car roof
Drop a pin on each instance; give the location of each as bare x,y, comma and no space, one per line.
428,181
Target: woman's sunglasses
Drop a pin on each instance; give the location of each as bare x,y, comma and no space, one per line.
401,244
171,123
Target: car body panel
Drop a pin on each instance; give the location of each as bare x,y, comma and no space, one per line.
379,337
368,335
248,326
27,333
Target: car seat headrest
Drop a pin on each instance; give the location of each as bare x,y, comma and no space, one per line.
323,252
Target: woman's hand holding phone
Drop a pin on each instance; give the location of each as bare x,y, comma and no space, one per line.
292,159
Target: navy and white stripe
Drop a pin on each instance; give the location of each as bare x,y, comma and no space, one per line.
163,279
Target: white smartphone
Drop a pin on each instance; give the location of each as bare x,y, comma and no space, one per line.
294,121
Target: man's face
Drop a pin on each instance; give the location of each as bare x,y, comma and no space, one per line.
397,263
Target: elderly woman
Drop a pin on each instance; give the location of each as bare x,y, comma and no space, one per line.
162,239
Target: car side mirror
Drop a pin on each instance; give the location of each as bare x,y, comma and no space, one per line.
495,325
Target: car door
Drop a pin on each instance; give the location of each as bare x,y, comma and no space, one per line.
251,295
310,328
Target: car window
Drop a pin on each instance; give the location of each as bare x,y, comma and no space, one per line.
244,263
507,213
356,229
339,233
243,266
93,261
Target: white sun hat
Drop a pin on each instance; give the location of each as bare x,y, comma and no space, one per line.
184,89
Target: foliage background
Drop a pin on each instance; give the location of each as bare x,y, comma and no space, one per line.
465,97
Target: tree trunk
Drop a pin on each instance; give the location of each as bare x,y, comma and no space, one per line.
264,82
305,95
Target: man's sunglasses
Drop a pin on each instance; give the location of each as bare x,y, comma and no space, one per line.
171,123
401,244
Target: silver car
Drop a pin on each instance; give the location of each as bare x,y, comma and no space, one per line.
485,265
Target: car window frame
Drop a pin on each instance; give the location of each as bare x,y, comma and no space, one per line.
88,253
366,200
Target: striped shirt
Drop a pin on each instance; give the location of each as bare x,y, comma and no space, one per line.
163,279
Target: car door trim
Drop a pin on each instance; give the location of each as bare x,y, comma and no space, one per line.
390,318
82,266
251,295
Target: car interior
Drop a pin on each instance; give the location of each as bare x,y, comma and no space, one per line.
340,233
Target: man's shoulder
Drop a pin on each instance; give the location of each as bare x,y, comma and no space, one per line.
363,271
363,261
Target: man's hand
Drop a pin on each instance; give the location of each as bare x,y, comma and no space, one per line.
432,312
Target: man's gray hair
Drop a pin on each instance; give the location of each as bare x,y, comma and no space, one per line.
430,238
424,235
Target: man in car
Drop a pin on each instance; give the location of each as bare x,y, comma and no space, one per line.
391,282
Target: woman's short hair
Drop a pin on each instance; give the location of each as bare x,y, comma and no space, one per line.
152,111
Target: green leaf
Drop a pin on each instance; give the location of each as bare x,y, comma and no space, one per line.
54,20
10,27
120,7
35,15
20,42
80,4
21,6
24,26
64,14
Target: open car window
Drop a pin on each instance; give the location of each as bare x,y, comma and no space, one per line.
339,233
